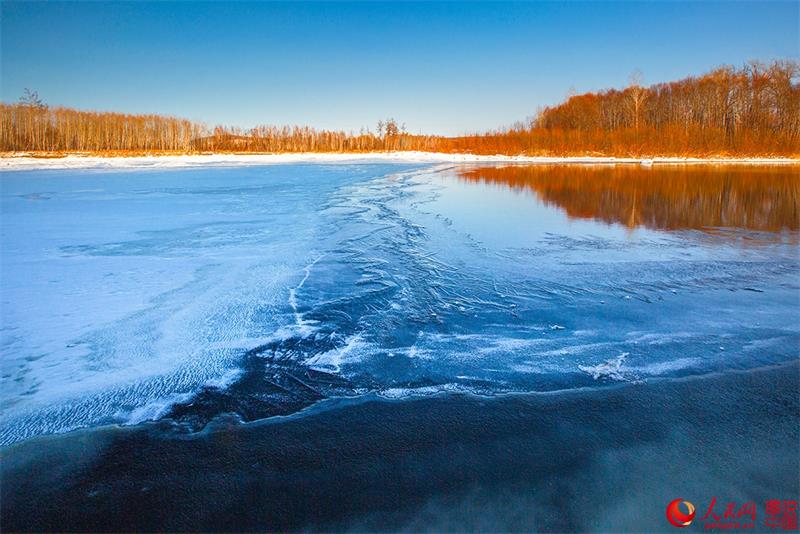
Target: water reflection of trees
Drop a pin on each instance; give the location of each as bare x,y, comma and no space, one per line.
668,198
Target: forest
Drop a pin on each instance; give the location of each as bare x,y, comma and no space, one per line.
753,110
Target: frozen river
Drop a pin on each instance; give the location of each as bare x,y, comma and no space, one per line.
135,295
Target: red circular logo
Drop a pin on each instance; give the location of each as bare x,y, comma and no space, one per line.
678,517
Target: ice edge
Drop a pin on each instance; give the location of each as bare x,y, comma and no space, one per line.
27,162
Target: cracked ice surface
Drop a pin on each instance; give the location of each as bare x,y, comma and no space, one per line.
132,295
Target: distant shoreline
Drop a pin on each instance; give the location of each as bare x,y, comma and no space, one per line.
28,161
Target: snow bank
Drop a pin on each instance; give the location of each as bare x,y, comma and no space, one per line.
25,162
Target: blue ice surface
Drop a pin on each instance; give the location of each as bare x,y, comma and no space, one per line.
133,295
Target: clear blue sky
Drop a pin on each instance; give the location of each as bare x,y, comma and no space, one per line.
439,67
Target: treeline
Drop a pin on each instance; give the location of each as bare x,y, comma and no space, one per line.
749,110
389,136
753,110
31,125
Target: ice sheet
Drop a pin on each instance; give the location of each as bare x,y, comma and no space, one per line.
187,293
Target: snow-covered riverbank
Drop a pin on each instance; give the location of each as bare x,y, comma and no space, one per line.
26,162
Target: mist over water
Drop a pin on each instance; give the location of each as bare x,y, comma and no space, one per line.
183,295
